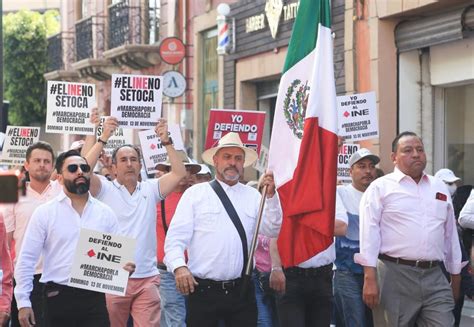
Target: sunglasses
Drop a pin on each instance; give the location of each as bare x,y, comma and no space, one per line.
84,167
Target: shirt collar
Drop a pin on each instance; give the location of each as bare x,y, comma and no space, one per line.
120,186
399,175
228,187
46,189
63,197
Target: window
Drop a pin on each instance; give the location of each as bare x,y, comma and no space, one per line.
209,78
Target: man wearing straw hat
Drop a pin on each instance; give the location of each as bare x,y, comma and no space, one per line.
173,307
216,249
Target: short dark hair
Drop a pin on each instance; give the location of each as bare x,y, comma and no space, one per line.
399,136
63,156
134,147
39,145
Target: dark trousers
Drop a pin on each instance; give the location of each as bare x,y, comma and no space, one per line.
36,299
74,307
308,297
212,302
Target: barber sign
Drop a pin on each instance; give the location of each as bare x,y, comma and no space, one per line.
248,124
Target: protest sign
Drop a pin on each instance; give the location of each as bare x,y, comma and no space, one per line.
2,138
152,150
357,116
345,153
119,138
249,125
262,163
17,141
136,100
99,261
69,108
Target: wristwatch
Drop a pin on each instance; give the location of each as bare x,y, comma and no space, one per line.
277,268
169,142
102,141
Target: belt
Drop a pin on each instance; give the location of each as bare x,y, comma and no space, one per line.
226,285
309,272
412,263
161,266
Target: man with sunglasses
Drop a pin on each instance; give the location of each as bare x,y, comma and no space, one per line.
134,202
54,231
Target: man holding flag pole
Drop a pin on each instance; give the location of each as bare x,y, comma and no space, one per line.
303,158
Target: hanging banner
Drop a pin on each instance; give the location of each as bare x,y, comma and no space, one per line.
17,141
357,116
136,100
343,168
69,108
99,261
119,138
249,125
152,150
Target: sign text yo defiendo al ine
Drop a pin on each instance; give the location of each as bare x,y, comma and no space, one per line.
136,100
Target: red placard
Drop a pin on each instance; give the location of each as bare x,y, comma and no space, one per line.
249,125
172,50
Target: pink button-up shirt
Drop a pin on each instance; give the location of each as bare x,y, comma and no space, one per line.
408,220
6,268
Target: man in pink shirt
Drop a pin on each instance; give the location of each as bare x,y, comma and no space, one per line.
407,228
6,279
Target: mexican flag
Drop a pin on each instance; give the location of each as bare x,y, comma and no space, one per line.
303,148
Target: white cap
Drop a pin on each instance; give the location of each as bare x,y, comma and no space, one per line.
204,170
447,175
363,153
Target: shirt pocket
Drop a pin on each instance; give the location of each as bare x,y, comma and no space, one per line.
438,209
207,217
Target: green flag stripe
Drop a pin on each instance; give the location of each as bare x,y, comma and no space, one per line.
305,29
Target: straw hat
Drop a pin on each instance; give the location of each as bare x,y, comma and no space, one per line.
230,140
193,167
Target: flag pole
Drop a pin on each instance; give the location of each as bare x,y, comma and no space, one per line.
248,269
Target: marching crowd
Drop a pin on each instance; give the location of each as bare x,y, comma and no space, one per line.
396,259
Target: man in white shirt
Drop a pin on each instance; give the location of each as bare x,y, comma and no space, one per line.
466,216
349,276
407,227
53,231
40,189
216,252
134,203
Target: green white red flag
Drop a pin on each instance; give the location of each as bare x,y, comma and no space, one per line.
303,148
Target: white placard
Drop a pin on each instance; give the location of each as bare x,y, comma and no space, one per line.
357,116
136,100
262,163
153,151
2,138
70,107
345,153
17,141
119,138
99,261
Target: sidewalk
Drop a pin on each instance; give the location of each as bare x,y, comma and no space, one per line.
467,319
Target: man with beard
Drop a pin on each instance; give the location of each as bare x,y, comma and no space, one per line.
40,189
349,276
53,231
216,252
407,227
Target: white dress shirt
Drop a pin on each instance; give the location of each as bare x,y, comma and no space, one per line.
136,215
54,230
17,216
201,225
408,220
466,216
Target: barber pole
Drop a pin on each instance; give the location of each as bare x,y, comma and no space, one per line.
223,35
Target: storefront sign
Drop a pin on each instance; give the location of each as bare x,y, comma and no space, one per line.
136,100
17,141
357,116
69,108
172,50
249,125
153,152
99,261
345,153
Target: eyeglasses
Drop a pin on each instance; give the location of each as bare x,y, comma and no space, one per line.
84,167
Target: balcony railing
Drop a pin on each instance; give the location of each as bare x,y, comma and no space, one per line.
60,51
84,41
132,25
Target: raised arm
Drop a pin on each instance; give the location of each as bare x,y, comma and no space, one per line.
170,180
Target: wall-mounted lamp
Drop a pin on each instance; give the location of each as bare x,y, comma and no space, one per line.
223,36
